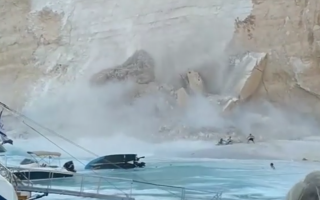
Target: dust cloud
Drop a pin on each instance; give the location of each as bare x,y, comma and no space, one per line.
79,110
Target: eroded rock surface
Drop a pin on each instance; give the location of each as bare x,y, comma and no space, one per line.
307,189
45,40
139,67
248,79
289,32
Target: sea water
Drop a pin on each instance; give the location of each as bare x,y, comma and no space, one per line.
202,178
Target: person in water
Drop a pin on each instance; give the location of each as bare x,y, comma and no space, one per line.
250,138
272,166
220,141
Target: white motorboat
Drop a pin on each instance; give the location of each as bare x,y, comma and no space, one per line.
34,169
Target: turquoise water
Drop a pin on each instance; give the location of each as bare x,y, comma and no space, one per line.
236,179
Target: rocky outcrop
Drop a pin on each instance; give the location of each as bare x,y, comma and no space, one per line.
182,97
254,65
307,189
17,47
289,32
28,41
193,84
47,38
139,67
248,80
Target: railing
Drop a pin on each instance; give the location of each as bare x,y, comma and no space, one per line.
7,174
122,187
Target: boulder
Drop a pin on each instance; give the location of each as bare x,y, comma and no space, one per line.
253,65
195,82
182,97
249,77
307,189
230,105
139,67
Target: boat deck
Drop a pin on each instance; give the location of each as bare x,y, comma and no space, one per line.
69,193
99,187
50,186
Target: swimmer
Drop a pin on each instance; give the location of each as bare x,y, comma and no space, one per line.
272,166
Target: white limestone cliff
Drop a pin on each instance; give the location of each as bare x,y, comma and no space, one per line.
49,42
249,80
288,31
57,40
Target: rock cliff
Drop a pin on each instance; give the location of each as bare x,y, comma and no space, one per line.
289,32
307,189
277,43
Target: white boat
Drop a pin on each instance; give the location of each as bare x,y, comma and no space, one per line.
7,191
37,169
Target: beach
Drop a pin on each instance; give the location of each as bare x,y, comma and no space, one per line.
269,150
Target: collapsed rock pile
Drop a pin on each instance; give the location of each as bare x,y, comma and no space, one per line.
140,68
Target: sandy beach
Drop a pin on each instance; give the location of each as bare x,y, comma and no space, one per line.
277,149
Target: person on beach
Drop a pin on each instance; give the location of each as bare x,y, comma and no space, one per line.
250,138
220,141
229,140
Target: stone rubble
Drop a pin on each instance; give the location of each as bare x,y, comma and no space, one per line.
140,64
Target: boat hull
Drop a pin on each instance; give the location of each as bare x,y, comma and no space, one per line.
38,175
116,161
113,166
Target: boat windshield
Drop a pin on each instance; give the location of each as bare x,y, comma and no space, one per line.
27,161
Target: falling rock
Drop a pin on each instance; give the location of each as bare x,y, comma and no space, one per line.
139,67
230,105
195,82
249,77
182,97
254,65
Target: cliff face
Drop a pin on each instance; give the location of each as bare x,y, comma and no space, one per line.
26,40
17,46
45,41
59,39
289,31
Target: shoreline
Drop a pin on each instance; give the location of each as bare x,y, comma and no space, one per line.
293,150
289,150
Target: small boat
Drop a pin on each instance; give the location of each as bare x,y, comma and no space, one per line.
34,169
117,161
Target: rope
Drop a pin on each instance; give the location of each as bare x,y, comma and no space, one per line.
71,155
53,132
